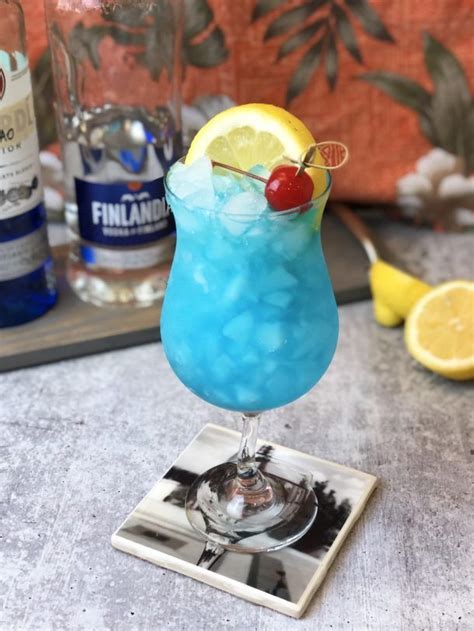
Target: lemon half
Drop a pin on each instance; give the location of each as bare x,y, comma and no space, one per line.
439,331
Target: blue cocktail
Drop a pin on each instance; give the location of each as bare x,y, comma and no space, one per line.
249,323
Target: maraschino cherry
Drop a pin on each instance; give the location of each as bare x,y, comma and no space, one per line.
288,187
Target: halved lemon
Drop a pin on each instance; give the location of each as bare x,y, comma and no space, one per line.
256,133
439,331
394,292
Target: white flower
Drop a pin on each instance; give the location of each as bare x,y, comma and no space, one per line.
456,186
414,184
437,164
437,191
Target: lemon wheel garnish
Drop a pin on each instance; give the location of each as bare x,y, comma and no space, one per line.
256,133
439,331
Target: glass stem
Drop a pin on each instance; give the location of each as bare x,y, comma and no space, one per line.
246,465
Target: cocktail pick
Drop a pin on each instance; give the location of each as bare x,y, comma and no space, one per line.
335,155
289,185
334,152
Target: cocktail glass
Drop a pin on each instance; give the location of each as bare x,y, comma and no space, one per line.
249,323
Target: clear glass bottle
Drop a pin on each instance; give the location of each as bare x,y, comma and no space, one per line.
27,283
117,71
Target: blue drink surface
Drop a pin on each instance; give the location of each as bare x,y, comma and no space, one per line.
249,320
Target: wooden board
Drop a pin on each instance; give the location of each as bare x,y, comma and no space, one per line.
74,328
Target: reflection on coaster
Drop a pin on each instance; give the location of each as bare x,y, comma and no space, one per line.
286,580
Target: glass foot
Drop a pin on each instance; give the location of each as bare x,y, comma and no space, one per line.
264,511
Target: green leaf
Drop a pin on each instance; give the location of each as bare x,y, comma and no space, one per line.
446,71
454,127
401,89
197,17
43,92
369,19
291,18
300,38
307,66
452,104
265,6
427,129
210,52
346,32
469,141
331,61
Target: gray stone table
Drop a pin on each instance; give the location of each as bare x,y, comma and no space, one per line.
82,441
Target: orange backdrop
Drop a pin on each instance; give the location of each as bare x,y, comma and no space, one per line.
368,114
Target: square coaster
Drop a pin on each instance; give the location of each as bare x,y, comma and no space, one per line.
286,580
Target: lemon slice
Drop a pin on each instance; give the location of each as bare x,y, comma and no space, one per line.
256,133
439,331
394,293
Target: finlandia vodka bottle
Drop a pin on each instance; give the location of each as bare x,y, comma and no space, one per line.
116,65
27,284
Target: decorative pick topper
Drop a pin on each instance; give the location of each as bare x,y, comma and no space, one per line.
335,155
290,186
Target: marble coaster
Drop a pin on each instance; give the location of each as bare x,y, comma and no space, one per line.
286,580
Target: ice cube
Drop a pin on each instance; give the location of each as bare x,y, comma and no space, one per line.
293,240
225,185
250,358
187,220
187,256
181,353
270,336
257,231
251,184
199,173
207,347
219,250
201,199
200,278
278,299
235,289
193,183
269,366
300,349
222,367
177,170
240,327
241,210
279,279
246,396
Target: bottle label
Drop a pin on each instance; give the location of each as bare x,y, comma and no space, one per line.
123,214
24,255
20,180
130,259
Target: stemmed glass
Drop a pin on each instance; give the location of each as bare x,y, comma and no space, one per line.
249,323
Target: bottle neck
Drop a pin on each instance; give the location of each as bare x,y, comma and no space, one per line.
12,28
